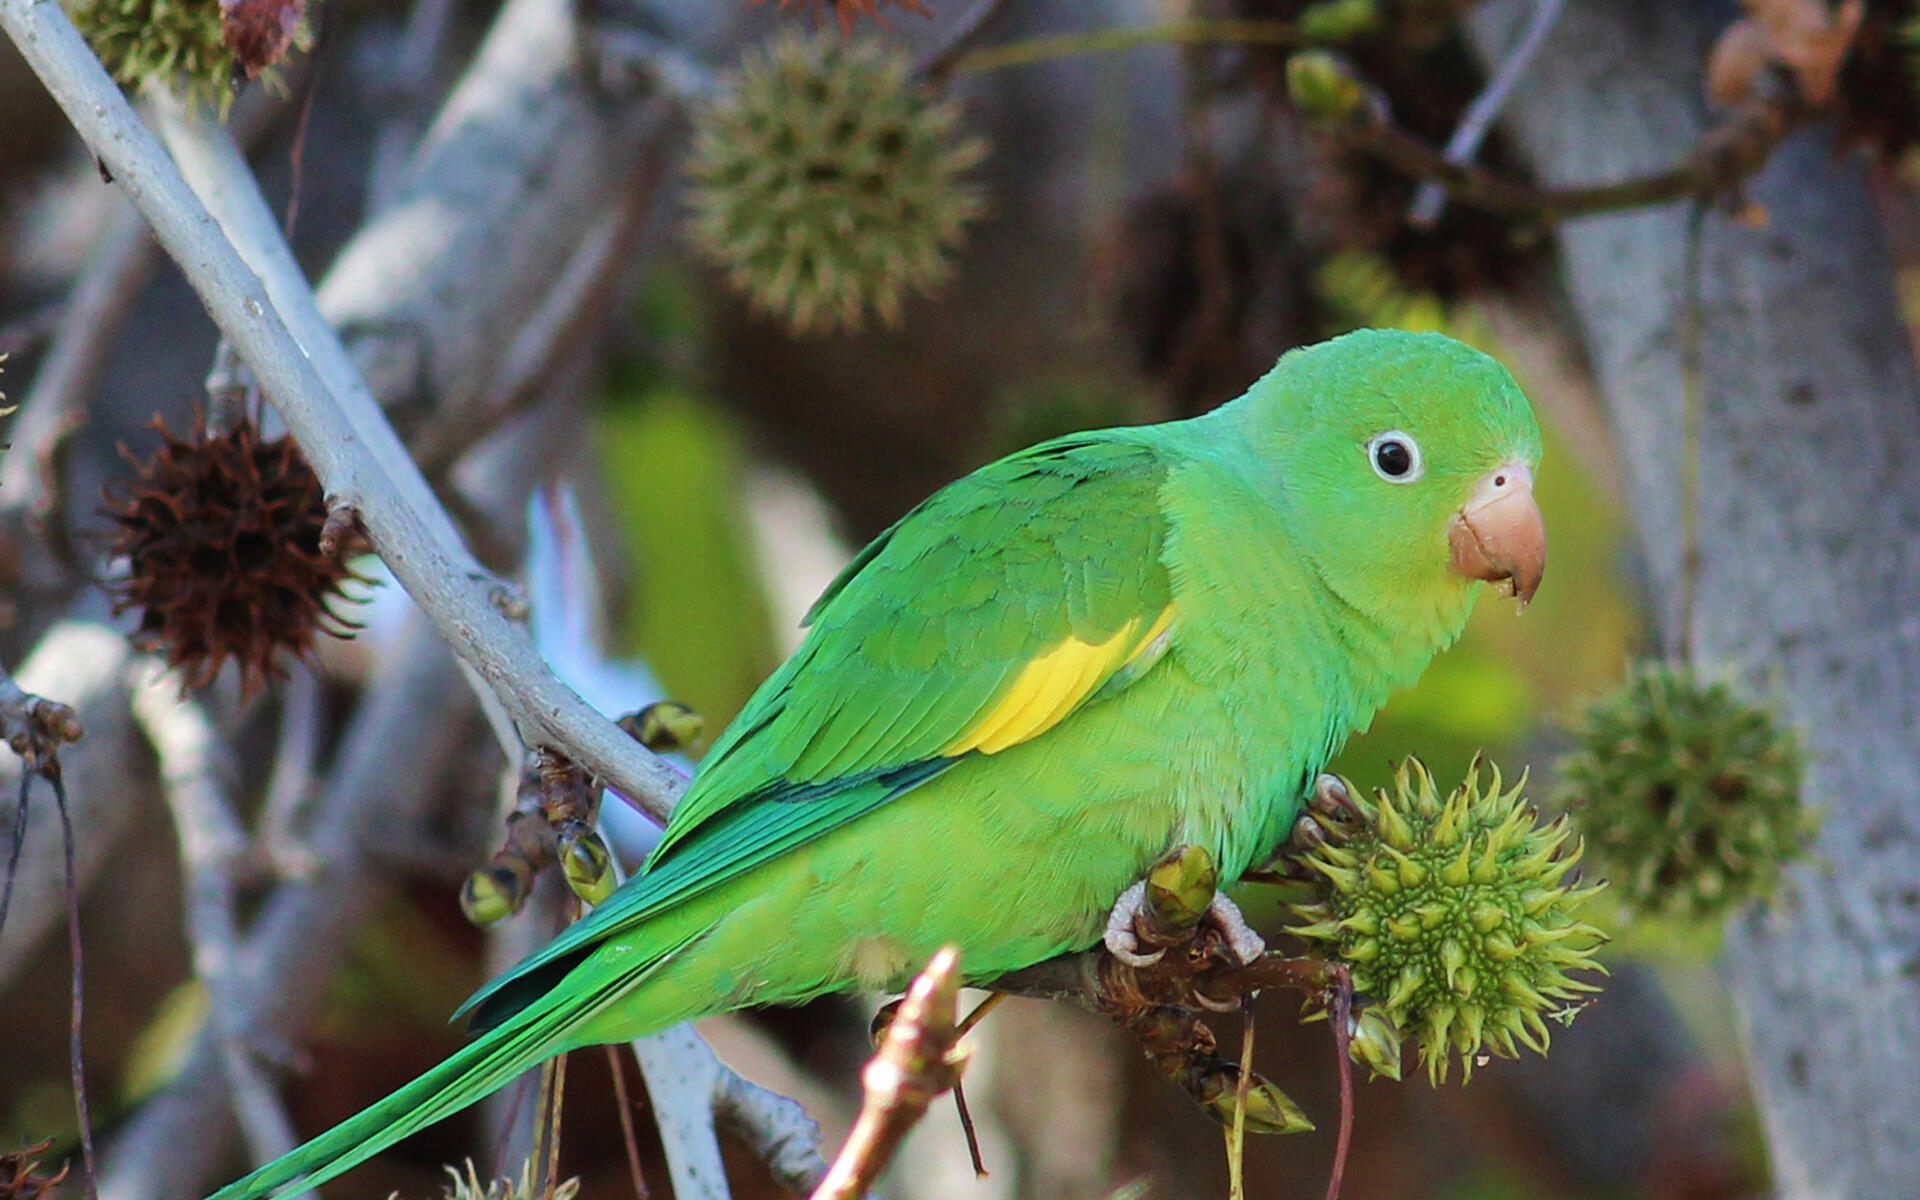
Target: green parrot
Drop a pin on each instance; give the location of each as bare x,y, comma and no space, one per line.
1029,688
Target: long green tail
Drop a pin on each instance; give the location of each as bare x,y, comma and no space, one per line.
475,1070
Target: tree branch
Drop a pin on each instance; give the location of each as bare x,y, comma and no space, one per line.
940,61
121,261
84,663
1723,156
413,719
330,411
194,775
1430,199
1199,31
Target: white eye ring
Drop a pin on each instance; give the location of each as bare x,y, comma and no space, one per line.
1395,456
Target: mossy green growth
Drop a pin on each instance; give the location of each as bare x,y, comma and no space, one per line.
179,45
1688,793
1455,916
828,184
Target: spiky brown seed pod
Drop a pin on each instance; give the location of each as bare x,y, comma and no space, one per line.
1454,917
1688,794
827,184
221,532
849,11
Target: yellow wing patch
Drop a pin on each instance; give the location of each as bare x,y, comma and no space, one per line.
1052,685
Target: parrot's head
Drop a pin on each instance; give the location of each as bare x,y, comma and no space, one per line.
1406,464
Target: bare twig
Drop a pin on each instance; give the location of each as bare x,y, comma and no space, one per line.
1340,1012
81,1109
1725,155
403,96
940,60
624,57
291,783
628,1136
1430,199
34,727
16,843
107,772
919,1058
122,258
680,1070
412,721
305,370
1099,41
574,308
30,328
776,1128
195,775
1237,1132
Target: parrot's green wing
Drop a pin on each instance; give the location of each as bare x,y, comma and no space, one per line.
978,621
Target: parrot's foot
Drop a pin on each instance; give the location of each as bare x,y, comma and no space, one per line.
1124,942
1330,813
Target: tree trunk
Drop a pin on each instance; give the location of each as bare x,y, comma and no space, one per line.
1808,581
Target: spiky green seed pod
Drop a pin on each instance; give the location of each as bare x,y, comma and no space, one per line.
1688,794
1455,917
827,184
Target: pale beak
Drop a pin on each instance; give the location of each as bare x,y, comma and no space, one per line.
1498,535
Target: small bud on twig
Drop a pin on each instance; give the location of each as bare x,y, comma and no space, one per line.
917,1061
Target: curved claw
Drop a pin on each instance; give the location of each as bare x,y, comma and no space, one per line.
1121,941
1241,939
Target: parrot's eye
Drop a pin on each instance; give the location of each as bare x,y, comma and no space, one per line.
1395,456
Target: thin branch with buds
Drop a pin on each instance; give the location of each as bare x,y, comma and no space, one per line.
1430,199
1724,156
918,1060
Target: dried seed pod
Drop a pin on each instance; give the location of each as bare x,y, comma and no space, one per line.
221,533
849,11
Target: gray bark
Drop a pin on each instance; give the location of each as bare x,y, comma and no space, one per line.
1809,570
